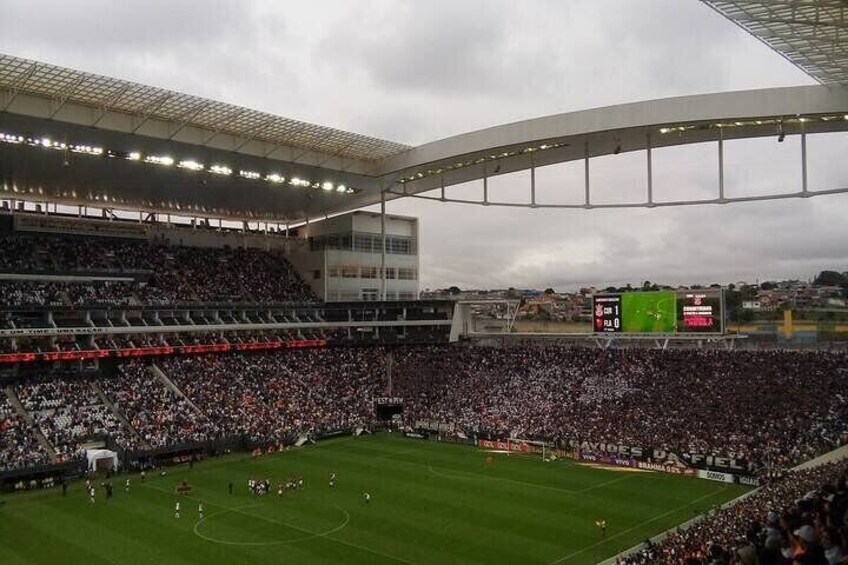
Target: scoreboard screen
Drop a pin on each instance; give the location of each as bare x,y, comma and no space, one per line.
699,311
607,313
665,312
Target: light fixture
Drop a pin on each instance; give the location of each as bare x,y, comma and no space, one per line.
220,170
191,165
327,185
159,160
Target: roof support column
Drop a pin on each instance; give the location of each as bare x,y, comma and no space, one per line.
588,199
382,244
532,182
804,186
485,186
721,165
650,172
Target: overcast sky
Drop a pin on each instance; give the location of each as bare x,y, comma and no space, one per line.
416,71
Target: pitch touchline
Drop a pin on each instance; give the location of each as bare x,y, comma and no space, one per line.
628,530
271,520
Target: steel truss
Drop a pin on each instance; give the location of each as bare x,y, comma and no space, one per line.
399,191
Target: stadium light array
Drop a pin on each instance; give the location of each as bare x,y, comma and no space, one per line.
190,165
220,170
547,146
167,161
159,160
480,160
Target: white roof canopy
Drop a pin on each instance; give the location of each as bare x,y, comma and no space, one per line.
812,34
65,85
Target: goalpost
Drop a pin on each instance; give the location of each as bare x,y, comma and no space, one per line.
531,447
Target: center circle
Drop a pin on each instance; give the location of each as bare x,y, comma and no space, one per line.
300,520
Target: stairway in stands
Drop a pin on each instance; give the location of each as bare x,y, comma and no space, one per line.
118,414
170,385
27,417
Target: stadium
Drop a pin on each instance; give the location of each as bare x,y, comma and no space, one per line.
215,347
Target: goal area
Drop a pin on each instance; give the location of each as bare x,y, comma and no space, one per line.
534,448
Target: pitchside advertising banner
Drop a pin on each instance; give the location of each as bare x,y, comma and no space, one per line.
711,467
666,312
519,446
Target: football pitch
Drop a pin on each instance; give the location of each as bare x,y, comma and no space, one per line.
649,312
431,503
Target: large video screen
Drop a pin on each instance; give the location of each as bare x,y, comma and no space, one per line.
700,311
665,312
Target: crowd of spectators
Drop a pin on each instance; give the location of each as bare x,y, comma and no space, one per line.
271,397
161,416
160,274
69,412
20,293
19,447
770,408
799,517
102,293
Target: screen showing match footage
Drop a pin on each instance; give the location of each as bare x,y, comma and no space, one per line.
664,312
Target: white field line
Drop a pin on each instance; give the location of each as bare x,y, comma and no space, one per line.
281,523
637,526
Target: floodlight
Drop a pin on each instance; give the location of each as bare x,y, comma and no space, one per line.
191,165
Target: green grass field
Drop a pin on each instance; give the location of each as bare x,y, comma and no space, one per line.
431,503
648,312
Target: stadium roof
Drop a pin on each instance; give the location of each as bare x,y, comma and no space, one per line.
812,34
148,102
76,138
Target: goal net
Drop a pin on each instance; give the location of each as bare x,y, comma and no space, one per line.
532,447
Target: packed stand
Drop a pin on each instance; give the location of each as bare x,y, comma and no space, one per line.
271,396
102,293
69,412
30,293
19,447
774,408
160,416
161,274
797,518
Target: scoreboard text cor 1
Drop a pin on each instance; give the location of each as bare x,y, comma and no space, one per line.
607,313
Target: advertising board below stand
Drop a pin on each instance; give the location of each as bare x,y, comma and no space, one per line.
714,468
716,476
